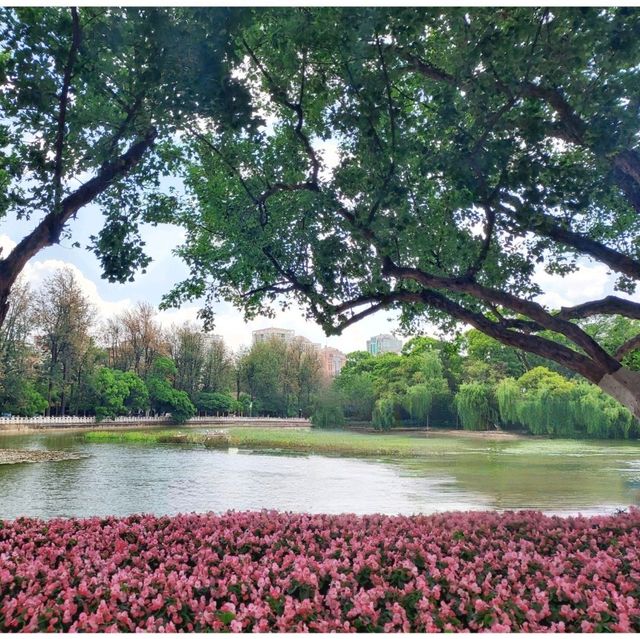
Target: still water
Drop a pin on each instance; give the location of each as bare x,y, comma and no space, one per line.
560,477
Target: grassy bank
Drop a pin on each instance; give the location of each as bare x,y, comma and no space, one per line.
305,441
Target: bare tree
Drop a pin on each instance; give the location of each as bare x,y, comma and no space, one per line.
134,339
63,318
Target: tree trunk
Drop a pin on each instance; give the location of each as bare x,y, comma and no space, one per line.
623,385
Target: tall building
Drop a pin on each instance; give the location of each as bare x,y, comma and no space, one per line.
384,343
211,338
266,334
306,342
332,361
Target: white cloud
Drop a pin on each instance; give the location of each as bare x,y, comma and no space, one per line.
6,245
591,282
36,272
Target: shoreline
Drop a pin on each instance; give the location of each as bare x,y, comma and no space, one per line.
489,435
275,424
27,456
23,429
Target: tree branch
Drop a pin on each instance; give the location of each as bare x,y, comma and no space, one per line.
609,305
628,347
62,112
524,307
228,164
280,96
531,343
570,126
574,126
546,225
489,227
49,229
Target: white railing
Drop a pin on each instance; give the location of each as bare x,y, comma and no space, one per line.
133,419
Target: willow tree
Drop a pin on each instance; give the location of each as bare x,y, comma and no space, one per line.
91,101
474,405
418,402
470,147
546,403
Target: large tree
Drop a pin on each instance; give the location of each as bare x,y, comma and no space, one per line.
472,146
91,102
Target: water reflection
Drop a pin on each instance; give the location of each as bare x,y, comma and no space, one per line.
563,477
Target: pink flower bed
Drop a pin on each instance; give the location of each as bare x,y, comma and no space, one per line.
266,571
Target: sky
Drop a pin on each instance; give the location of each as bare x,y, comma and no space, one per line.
592,281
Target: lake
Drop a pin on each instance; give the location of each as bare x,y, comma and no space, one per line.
556,476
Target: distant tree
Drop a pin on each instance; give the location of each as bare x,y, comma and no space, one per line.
328,411
357,389
619,335
187,349
18,394
62,317
218,368
110,393
134,339
81,394
418,402
244,404
91,101
211,403
413,381
163,397
384,413
487,356
281,378
545,403
303,370
449,354
137,399
262,371
474,403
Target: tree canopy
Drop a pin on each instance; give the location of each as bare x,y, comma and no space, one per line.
92,103
428,160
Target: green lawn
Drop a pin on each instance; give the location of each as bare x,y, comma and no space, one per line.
338,442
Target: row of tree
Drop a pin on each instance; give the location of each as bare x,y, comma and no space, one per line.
57,359
477,383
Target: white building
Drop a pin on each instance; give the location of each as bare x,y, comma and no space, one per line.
266,334
384,343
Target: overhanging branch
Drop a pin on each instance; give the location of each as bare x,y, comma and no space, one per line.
546,225
610,305
628,347
49,229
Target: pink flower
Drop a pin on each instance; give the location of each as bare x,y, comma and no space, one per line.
267,571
